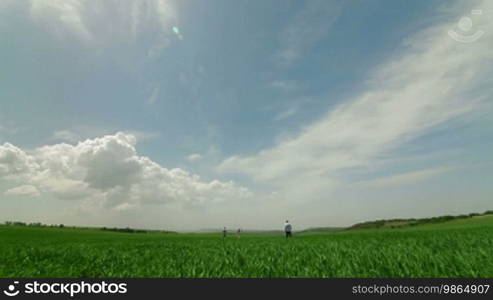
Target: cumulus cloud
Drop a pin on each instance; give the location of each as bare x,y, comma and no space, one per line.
108,172
78,133
23,190
432,80
15,163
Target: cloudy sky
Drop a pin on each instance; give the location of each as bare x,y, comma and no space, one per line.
185,115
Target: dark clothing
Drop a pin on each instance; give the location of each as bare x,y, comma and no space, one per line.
287,229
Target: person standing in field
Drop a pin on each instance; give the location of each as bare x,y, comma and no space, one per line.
238,233
287,229
224,232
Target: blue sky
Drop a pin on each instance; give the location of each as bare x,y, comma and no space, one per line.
188,114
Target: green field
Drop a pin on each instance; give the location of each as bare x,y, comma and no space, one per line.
459,248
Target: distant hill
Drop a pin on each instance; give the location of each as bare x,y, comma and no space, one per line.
398,223
395,223
62,226
322,229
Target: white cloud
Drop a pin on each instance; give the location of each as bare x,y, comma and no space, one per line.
308,26
195,157
107,24
78,133
108,172
432,81
62,17
15,163
23,190
405,178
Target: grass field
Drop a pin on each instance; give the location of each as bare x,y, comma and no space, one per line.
459,248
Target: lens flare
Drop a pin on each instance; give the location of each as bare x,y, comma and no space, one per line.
176,31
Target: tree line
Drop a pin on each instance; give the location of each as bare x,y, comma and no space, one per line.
114,229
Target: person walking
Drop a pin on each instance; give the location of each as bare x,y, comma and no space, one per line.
287,229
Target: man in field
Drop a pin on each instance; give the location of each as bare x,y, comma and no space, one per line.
287,229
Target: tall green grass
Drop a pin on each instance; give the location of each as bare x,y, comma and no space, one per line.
462,248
